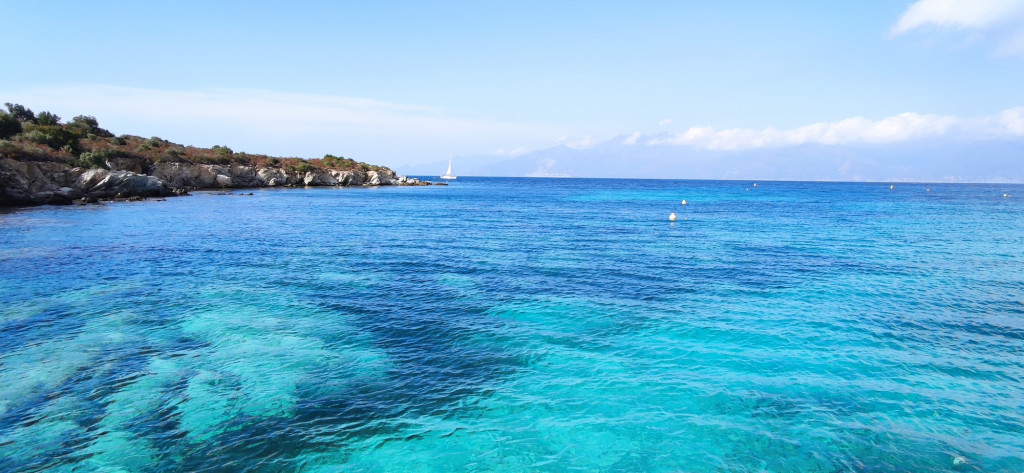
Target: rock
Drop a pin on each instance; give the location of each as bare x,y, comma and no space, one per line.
37,183
125,164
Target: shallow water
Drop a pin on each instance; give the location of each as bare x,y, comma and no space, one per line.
519,324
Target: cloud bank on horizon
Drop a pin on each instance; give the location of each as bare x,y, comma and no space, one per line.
1009,124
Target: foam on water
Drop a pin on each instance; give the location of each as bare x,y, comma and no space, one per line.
518,325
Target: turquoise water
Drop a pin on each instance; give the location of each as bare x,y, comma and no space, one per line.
519,325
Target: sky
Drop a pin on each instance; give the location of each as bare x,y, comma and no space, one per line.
409,84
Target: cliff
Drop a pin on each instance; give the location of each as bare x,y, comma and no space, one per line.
39,183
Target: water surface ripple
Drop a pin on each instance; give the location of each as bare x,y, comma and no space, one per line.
519,325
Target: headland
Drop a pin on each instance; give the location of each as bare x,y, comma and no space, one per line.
45,161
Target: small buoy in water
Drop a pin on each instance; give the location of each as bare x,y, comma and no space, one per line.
1005,195
755,184
672,217
927,190
684,201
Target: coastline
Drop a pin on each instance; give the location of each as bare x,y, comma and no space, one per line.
31,183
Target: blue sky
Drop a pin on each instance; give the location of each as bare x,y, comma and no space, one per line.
406,83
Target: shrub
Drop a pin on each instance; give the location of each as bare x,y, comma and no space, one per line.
333,161
119,141
304,168
9,125
222,151
87,125
364,166
53,136
47,119
8,149
20,112
172,155
91,160
36,136
155,142
86,122
272,161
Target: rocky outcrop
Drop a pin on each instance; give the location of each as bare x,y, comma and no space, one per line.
37,183
203,176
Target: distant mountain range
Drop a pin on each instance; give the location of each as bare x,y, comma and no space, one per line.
942,160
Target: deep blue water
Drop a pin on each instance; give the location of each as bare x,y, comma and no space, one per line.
519,325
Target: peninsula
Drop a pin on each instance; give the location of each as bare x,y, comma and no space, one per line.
46,161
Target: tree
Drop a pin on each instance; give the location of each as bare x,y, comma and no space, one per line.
9,125
87,122
19,112
47,119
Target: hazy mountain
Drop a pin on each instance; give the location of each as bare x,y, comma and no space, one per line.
946,160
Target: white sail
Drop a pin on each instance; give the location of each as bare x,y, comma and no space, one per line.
449,174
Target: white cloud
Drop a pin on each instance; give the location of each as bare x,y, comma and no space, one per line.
582,143
510,152
1002,19
902,127
665,122
631,139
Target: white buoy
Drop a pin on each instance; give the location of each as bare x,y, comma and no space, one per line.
1005,195
672,217
755,184
684,201
891,186
927,190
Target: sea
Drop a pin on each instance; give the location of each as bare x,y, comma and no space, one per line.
515,324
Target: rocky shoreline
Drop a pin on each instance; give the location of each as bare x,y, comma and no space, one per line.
26,183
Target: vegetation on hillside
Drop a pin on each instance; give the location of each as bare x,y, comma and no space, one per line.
27,136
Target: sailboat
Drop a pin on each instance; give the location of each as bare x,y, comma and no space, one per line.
449,174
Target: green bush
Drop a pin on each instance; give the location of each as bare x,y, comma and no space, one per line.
364,166
9,125
20,112
304,168
87,125
53,136
36,136
155,142
222,151
119,141
272,161
91,160
8,149
47,119
86,122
